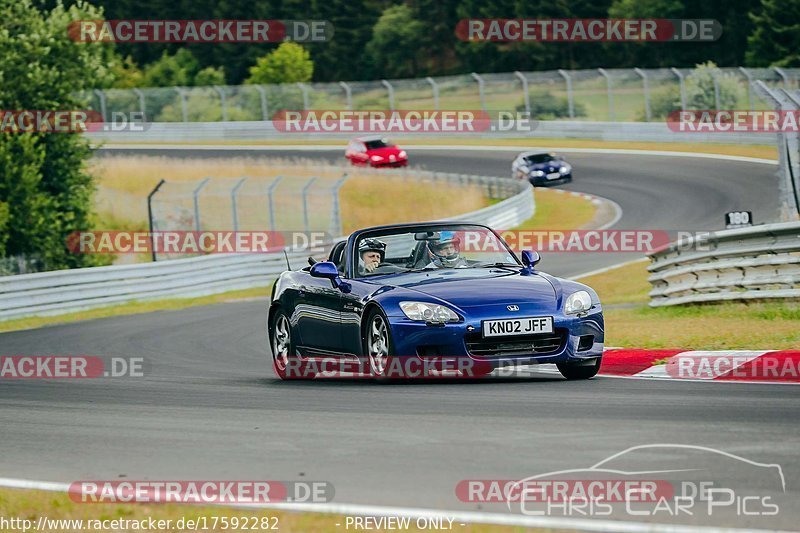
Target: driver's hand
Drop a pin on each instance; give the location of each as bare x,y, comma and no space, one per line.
369,267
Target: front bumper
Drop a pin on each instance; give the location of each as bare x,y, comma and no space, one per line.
464,340
387,163
542,181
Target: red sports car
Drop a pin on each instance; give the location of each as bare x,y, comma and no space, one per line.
375,151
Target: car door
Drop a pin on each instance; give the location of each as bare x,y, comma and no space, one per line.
318,315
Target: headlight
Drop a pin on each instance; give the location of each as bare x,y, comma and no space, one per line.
376,158
538,173
564,169
425,312
402,154
578,302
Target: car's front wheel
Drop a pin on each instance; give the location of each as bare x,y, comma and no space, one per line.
579,370
378,344
285,362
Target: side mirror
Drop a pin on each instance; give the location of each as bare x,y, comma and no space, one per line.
326,269
529,258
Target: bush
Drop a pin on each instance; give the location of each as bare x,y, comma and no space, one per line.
289,63
547,106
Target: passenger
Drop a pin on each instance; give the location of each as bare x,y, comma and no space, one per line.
445,252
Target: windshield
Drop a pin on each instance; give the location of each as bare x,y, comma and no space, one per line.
540,158
421,248
377,143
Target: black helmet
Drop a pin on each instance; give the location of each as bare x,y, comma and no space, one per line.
372,245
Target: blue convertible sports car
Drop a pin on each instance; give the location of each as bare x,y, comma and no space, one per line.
441,293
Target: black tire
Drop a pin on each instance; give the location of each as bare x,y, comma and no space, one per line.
378,366
285,362
579,371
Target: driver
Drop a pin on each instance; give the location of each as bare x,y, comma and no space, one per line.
371,253
444,251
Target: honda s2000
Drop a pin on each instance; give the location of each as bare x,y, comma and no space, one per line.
433,292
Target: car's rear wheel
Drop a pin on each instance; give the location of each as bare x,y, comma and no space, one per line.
584,370
285,361
378,345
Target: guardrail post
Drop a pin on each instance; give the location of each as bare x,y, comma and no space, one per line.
184,110
142,106
222,102
196,200
150,217
389,93
234,206
305,89
646,88
305,202
262,94
336,222
749,77
270,191
568,80
610,89
101,96
525,94
481,94
783,75
682,83
435,88
348,95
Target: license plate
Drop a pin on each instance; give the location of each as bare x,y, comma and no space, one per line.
554,175
518,326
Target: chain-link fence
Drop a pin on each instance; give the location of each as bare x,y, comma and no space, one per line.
616,95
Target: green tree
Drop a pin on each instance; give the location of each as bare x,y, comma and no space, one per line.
775,40
289,63
170,70
210,76
394,45
44,186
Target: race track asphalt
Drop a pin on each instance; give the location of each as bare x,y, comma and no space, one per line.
209,407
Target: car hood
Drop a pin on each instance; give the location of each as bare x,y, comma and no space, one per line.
385,151
549,166
493,288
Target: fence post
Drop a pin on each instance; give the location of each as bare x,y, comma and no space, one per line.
270,190
481,94
390,93
717,104
102,97
646,88
749,77
525,94
348,95
783,75
196,199
222,102
610,89
234,206
435,88
142,106
682,84
336,222
262,94
184,111
304,88
150,217
570,102
305,202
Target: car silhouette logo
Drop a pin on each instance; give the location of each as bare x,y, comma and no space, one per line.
512,307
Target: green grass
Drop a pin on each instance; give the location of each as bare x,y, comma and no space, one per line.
630,322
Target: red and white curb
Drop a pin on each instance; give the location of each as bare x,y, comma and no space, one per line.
743,366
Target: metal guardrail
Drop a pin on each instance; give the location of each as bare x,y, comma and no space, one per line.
761,262
179,132
63,291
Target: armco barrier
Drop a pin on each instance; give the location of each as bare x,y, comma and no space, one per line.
760,262
63,291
